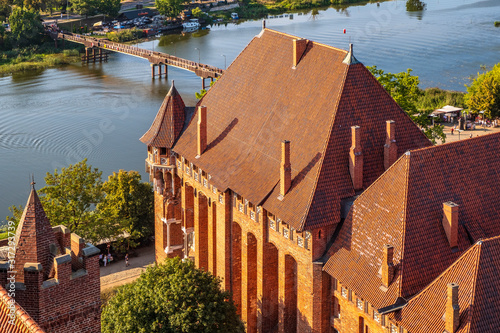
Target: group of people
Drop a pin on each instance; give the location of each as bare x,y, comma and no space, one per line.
106,259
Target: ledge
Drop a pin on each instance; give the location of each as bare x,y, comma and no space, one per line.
62,259
32,267
79,273
90,250
50,283
4,265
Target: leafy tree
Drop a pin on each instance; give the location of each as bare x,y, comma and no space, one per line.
128,207
203,92
17,212
415,5
84,7
169,8
26,27
484,93
5,10
71,196
109,7
403,87
197,12
172,297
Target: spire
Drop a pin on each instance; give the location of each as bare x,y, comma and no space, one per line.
34,237
169,121
350,59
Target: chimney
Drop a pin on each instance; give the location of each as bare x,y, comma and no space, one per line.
452,309
390,147
299,47
202,130
356,159
285,169
387,265
450,222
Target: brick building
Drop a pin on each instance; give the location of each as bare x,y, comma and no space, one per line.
57,280
255,183
419,249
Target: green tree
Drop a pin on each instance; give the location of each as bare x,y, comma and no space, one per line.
169,8
109,7
484,93
17,212
197,12
172,297
5,10
127,208
26,27
403,87
71,196
84,7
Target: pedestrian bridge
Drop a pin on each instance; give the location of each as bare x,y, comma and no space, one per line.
157,59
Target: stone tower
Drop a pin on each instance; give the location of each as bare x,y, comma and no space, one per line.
160,164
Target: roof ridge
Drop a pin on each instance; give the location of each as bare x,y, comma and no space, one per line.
440,276
405,203
314,43
460,142
479,244
325,147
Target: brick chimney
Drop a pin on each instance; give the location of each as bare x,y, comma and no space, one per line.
202,130
390,147
356,159
450,222
452,315
387,265
285,168
299,47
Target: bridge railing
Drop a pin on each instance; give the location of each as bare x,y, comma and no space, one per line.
152,56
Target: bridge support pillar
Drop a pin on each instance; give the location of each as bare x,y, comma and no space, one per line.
159,70
166,71
153,66
87,54
202,83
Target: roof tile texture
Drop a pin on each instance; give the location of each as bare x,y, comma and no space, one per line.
23,322
404,208
168,123
261,100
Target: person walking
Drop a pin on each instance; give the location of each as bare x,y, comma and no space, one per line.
452,131
105,259
126,260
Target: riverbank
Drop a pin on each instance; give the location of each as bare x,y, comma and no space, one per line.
27,60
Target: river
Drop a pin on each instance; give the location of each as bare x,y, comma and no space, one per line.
55,117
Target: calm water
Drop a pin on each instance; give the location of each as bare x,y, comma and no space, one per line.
56,117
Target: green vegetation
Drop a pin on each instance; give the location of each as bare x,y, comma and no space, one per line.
93,7
26,27
77,198
483,94
172,297
434,98
125,35
415,5
19,60
497,23
169,8
403,87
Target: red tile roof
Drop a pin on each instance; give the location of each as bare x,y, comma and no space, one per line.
404,208
23,323
168,123
477,272
34,235
261,100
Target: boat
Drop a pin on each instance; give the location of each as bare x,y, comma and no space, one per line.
234,16
191,24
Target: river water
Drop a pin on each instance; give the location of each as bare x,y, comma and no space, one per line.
55,117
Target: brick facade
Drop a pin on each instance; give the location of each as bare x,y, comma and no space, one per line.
63,293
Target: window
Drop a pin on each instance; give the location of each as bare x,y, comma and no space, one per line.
286,233
272,224
343,291
163,151
394,329
196,176
188,170
252,215
300,241
240,207
257,214
221,199
214,189
179,164
366,307
376,316
205,182
359,304
308,239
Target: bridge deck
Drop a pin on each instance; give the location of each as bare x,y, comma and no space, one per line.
202,70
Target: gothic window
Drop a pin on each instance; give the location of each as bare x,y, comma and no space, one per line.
286,233
240,207
344,292
300,241
179,164
214,189
272,224
252,214
221,199
394,329
359,304
307,240
205,182
376,316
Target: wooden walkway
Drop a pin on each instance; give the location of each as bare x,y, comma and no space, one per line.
155,58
